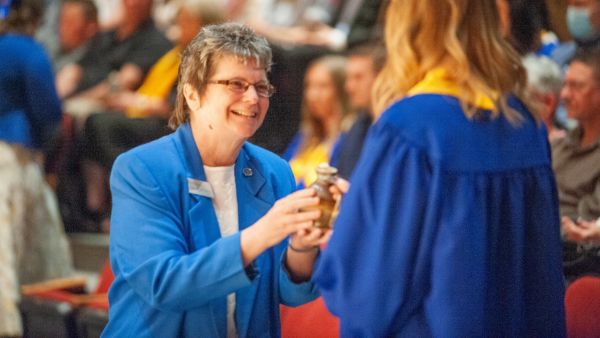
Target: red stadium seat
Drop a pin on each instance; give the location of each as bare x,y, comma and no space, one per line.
53,308
582,307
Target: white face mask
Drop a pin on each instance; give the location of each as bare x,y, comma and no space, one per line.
579,24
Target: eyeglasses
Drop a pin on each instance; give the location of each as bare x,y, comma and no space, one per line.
263,89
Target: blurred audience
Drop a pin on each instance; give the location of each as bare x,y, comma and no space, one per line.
525,25
334,25
141,116
325,108
544,79
30,110
118,59
522,24
165,16
110,13
33,246
583,22
362,66
47,32
576,156
78,24
300,32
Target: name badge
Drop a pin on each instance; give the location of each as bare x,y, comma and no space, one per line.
201,188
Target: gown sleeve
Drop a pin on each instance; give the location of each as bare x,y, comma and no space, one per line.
373,273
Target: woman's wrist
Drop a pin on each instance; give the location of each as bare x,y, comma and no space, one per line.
303,250
250,245
299,262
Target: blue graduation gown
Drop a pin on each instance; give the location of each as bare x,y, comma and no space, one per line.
173,271
450,229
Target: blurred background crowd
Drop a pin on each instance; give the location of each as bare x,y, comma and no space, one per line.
82,81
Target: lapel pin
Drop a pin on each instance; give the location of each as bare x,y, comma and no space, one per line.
247,172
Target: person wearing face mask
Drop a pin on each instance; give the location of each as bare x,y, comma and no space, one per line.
583,23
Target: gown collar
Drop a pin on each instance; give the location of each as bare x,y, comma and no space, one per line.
438,81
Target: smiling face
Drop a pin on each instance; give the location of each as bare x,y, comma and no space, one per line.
223,112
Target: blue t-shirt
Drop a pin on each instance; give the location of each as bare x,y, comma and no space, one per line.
30,109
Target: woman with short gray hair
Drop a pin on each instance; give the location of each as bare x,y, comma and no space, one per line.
207,236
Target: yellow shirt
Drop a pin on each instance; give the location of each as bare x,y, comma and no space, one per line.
160,80
305,162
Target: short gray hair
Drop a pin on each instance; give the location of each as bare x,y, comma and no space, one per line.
211,44
543,74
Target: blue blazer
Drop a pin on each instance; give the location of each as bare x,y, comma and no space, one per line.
173,270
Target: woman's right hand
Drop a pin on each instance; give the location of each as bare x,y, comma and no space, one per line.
284,218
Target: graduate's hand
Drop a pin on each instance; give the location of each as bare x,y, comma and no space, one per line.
339,188
286,217
310,238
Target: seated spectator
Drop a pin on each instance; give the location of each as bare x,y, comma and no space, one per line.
583,23
141,116
545,82
30,110
32,242
33,245
523,24
325,107
576,156
78,24
362,66
117,59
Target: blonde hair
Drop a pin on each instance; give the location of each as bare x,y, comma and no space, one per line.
313,129
463,37
210,45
